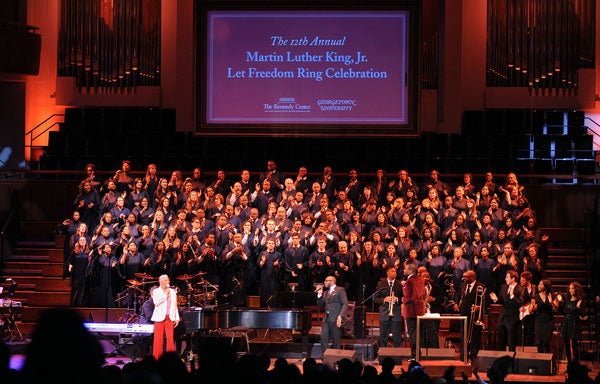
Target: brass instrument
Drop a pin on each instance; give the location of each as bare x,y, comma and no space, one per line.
427,303
476,321
391,313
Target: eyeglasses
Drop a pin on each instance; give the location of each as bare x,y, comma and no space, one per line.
328,280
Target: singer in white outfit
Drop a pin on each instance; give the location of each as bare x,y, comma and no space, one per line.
165,316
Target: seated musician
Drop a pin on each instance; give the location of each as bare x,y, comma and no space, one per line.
147,309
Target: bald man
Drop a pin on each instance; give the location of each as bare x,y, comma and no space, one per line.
466,307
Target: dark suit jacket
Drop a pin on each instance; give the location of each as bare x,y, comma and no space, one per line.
467,300
336,304
510,307
383,291
436,306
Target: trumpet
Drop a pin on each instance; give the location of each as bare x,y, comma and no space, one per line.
476,319
391,313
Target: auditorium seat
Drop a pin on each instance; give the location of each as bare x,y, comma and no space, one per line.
585,166
563,147
584,146
542,146
522,146
564,166
542,167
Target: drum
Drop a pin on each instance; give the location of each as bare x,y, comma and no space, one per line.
181,297
205,298
181,300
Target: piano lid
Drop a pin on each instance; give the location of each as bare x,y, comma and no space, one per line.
298,319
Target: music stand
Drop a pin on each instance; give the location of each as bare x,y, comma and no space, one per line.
293,287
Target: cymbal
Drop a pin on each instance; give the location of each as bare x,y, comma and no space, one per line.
144,275
190,276
134,282
136,288
185,277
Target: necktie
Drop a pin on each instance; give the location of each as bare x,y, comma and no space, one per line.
510,288
391,284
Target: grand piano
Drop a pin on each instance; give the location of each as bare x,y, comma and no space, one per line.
196,319
199,319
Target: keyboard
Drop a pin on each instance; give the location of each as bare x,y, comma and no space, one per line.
120,328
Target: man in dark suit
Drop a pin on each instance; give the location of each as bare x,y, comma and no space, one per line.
525,312
413,299
469,291
511,298
433,304
336,304
389,293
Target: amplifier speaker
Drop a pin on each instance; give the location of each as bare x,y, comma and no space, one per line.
398,354
529,363
487,358
438,354
332,356
352,323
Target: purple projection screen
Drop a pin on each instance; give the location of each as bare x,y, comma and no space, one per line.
306,72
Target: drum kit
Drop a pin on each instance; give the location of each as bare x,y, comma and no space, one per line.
135,294
197,293
194,291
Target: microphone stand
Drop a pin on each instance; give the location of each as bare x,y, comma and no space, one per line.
523,324
363,325
372,311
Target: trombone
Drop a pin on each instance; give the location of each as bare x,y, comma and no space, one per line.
476,320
